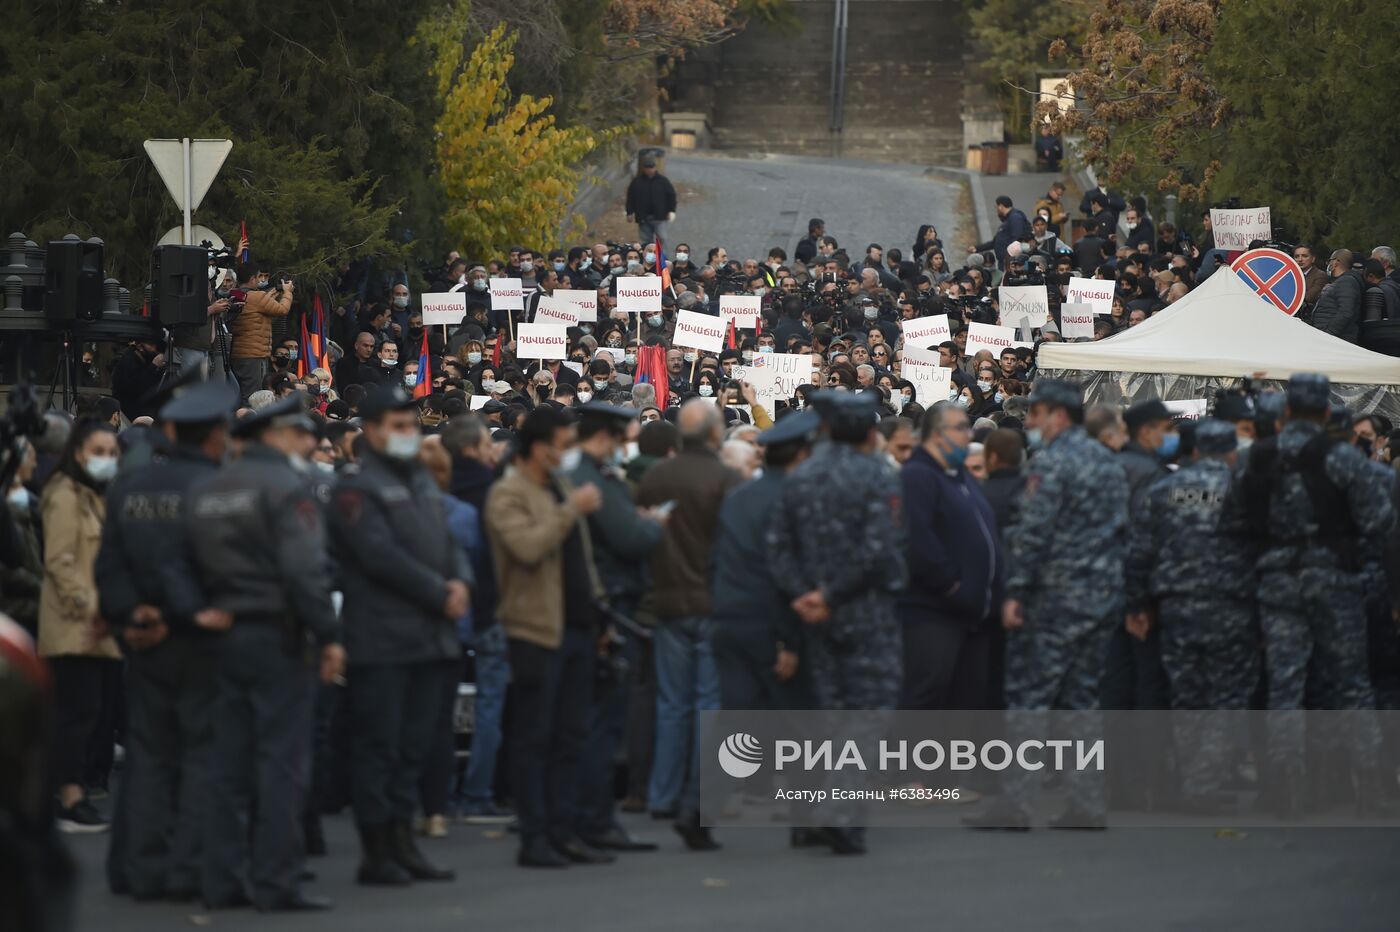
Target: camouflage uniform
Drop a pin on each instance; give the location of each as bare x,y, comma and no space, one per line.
1201,578
1067,552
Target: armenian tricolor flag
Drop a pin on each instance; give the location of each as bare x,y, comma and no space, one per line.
314,352
243,238
424,386
662,268
651,367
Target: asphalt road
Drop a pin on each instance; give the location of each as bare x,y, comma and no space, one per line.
749,204
1139,879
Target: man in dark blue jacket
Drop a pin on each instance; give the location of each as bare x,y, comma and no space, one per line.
955,570
1015,228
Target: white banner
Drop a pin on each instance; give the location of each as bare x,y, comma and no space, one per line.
990,337
507,294
918,356
447,308
639,293
1076,321
926,331
765,385
1028,301
541,341
1192,409
699,331
478,402
931,383
1095,292
551,310
618,354
1236,229
743,308
583,297
790,369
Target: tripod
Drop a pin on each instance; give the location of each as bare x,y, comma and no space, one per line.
65,368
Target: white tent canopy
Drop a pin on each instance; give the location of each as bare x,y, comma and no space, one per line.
1223,329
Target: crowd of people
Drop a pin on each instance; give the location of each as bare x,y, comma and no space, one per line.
267,577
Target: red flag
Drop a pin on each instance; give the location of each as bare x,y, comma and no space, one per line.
322,347
733,339
243,240
496,354
651,367
304,357
424,386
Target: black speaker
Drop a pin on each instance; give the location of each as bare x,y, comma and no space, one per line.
180,285
73,281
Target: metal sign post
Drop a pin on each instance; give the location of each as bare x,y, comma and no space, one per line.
188,167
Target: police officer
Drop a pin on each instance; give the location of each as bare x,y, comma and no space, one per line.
1189,569
842,580
155,603
1315,501
758,636
259,544
406,582
622,538
1064,587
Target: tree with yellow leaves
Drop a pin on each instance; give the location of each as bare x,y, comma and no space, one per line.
508,172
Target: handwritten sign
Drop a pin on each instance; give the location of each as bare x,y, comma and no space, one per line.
790,370
1076,321
507,294
926,331
639,294
446,309
586,299
931,383
552,310
541,341
765,384
699,331
918,356
742,308
1024,301
989,337
1191,409
1236,229
1097,293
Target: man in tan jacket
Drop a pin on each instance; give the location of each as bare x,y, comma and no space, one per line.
547,583
252,328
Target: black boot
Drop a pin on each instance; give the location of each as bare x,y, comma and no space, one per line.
377,866
695,835
406,854
315,837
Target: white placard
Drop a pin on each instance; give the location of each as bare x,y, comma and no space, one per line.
990,337
1076,321
931,383
618,354
743,308
1236,229
507,294
583,297
790,370
639,293
918,356
541,341
697,331
1192,409
478,402
1095,292
552,310
926,331
577,367
765,385
1028,301
440,309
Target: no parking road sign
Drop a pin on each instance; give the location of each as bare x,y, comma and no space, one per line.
1274,276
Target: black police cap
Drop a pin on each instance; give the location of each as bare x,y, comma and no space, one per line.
382,399
801,425
202,403
1145,412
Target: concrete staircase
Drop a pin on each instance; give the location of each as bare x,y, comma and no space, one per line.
904,84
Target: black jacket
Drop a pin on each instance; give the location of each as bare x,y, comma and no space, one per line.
742,588
1143,468
397,555
650,198
132,378
1014,228
1002,489
471,481
622,539
258,539
1338,310
806,249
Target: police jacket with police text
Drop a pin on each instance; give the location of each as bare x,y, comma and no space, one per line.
259,542
397,555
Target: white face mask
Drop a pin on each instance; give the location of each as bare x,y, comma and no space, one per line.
706,390
526,265
630,451
682,257
655,320
961,401
650,257
760,292
691,357
600,384
585,397
473,358
388,363
871,313
403,446
101,468
765,349
984,386
633,265
630,359
479,284
19,497
410,380
325,467
400,301
488,385
571,458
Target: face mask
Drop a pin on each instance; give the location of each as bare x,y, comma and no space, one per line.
655,320
473,358
19,498
682,257
400,301
614,344
961,401
629,359
748,355
101,468
760,292
585,397
527,266
600,384
617,459
690,357
1034,438
488,385
706,390
998,397
314,389
586,328
559,267
956,456
586,264
631,451
633,265
292,355
388,363
570,460
1169,445
479,284
650,257
984,386
212,272
871,313
280,361
410,381
1242,444
325,467
403,446
765,349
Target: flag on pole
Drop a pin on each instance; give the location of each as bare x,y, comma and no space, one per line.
651,367
496,353
243,241
424,386
305,361
662,268
320,343
733,338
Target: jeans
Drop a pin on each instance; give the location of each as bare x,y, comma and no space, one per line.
649,231
492,677
687,683
250,374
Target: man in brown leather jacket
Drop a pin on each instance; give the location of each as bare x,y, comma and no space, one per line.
252,327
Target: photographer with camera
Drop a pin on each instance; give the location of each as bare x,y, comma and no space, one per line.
252,325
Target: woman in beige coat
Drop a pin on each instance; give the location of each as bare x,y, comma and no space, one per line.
82,658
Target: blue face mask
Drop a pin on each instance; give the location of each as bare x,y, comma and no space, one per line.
1034,438
956,456
559,267
1170,444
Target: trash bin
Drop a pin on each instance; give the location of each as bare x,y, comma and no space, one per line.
994,157
655,152
974,159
